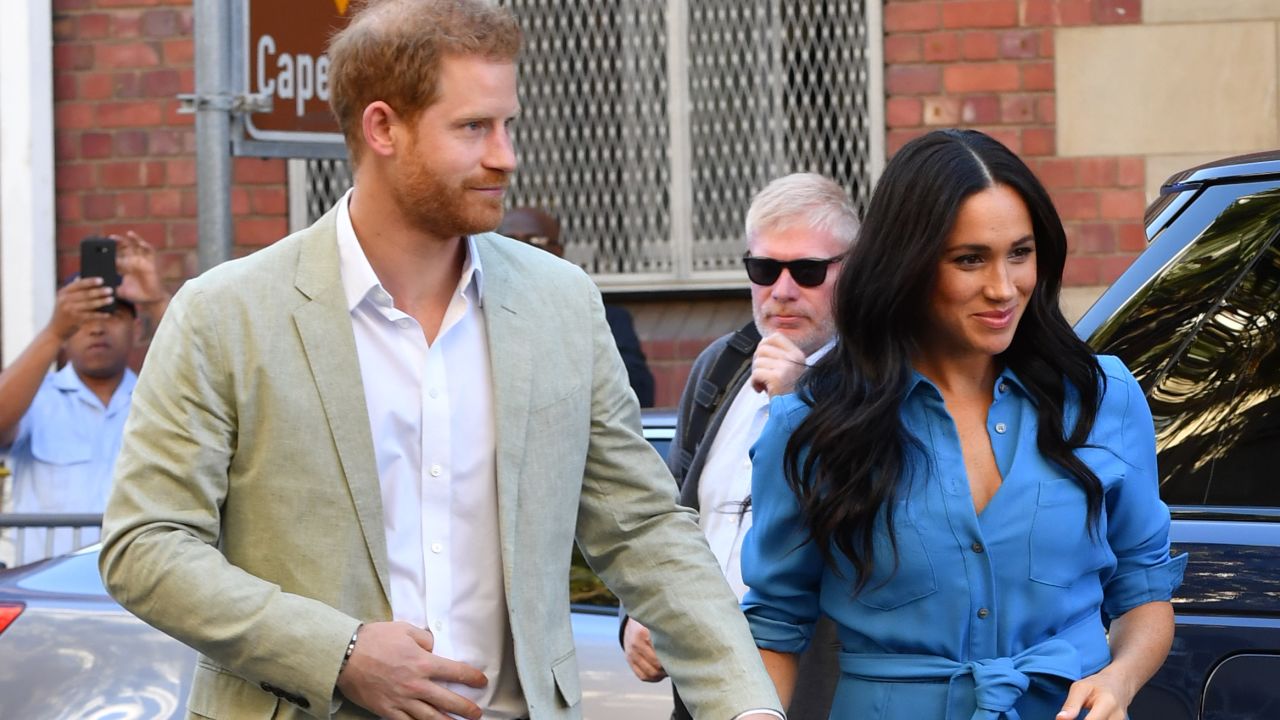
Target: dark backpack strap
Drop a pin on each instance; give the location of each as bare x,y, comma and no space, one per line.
710,391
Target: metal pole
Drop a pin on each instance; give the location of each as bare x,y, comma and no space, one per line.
213,131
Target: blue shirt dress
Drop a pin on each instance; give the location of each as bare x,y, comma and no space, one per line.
988,616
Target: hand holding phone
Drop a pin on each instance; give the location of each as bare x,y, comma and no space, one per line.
98,259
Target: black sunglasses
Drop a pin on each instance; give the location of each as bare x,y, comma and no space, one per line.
807,272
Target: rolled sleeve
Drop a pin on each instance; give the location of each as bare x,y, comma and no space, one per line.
781,567
1138,520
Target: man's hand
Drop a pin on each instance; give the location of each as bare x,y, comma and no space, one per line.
136,262
777,365
638,646
77,303
393,673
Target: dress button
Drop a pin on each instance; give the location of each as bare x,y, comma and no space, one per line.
976,547
1004,387
435,471
437,548
1000,428
983,613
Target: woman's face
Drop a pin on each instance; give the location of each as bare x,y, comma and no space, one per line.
986,274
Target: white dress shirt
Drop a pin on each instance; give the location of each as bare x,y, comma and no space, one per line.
725,481
431,412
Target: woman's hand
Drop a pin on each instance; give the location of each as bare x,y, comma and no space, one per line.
1104,695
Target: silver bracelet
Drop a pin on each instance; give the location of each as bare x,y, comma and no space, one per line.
351,647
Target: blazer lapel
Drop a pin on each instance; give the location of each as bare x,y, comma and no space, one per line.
510,347
325,327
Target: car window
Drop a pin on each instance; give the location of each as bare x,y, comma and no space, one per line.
1203,338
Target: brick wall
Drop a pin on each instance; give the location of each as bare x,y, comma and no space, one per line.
989,65
125,158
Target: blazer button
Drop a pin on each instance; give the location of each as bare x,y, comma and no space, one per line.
303,702
267,687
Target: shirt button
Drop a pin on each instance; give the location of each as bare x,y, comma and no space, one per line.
1000,428
983,613
976,547
433,392
1004,387
438,626
435,471
436,547
404,323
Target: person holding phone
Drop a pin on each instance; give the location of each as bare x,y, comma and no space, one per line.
61,430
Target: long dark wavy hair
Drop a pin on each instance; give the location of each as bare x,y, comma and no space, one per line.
844,461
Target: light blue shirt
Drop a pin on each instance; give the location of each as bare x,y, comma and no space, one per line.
64,453
979,605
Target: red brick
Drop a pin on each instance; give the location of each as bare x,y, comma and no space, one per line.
1094,238
980,110
173,115
979,77
911,16
1037,13
153,174
260,171
1116,12
74,176
903,112
134,114
1076,204
980,46
1020,44
1039,141
131,205
121,174
161,83
165,141
1131,172
269,201
260,231
64,28
657,351
126,25
178,52
64,87
94,26
1017,109
73,115
96,86
1046,43
98,206
1006,136
913,80
1132,237
127,85
175,265
161,23
165,203
128,55
943,110
1112,267
941,47
181,171
184,235
125,3
66,146
1097,172
895,139
901,49
1080,270
1037,76
95,145
1123,204
980,14
1046,109
239,201
1056,172
72,56
65,5
190,203
131,143
67,208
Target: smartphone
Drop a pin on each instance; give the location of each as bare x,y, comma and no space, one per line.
98,259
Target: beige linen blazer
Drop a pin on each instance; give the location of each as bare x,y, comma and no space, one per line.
246,519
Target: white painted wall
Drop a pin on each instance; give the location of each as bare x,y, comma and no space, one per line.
27,270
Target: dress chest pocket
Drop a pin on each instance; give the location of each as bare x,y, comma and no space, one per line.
1063,546
910,578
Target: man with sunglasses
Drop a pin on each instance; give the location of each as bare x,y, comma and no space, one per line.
798,229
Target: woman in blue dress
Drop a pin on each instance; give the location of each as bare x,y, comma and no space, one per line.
961,485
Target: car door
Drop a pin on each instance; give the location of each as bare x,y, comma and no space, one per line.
1197,319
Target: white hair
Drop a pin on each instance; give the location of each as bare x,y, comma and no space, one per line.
807,200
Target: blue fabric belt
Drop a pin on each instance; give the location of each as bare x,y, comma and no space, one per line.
998,683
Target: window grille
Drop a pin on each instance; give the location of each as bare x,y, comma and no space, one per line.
648,125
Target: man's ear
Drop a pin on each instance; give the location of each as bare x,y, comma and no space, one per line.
377,124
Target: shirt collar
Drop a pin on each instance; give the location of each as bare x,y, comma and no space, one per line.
68,380
359,281
1006,376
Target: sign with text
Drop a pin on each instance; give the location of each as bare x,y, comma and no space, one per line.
286,60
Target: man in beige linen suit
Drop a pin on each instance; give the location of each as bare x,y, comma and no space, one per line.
342,481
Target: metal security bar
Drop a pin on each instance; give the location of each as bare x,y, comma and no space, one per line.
648,125
27,537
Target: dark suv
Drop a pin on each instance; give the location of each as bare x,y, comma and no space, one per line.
1197,320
